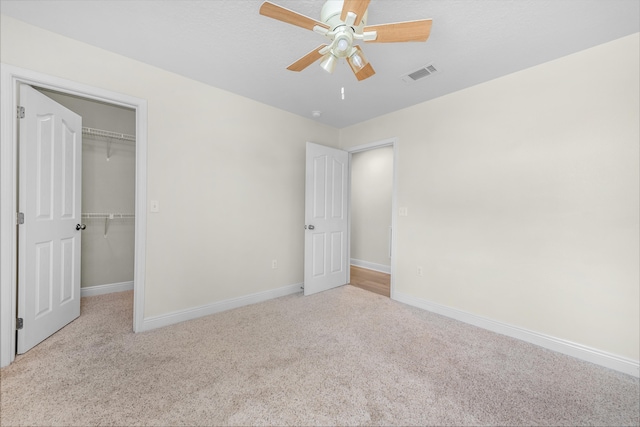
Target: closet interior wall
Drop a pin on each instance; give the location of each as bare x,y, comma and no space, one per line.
108,186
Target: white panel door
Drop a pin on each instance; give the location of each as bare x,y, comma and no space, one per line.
326,263
50,199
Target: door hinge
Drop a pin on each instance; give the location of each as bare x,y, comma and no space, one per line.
20,218
20,112
19,323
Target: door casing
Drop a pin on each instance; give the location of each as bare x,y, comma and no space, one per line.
10,78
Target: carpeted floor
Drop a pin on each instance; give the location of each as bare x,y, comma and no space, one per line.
342,357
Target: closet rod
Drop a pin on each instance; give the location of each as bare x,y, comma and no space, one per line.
108,134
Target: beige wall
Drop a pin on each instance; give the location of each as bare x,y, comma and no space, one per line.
228,173
371,186
523,197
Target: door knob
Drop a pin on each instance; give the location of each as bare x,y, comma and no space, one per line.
311,227
81,226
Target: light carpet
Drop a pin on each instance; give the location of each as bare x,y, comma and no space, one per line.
341,357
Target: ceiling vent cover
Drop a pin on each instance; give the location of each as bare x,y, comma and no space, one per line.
420,74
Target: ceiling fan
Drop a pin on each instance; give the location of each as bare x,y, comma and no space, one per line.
344,22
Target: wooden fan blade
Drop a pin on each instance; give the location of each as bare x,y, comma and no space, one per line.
358,7
366,72
289,16
307,60
409,31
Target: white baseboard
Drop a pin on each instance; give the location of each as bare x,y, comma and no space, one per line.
371,265
106,289
217,307
608,360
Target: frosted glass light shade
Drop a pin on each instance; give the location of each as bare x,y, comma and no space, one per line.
342,45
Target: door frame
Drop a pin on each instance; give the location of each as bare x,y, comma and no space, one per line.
390,142
10,78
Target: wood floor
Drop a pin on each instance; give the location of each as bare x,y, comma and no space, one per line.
371,280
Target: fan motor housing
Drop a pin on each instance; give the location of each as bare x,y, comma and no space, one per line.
330,15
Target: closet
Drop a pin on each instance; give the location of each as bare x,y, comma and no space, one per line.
108,193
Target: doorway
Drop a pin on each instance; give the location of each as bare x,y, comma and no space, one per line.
108,193
372,218
11,78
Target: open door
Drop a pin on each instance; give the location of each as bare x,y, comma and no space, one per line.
326,218
50,174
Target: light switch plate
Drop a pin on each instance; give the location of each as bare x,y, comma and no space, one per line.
155,206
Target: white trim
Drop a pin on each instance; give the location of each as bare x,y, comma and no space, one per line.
394,143
91,291
8,209
162,320
10,77
371,265
579,351
372,145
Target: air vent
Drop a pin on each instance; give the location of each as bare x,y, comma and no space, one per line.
420,74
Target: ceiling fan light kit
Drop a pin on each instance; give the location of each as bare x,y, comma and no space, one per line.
329,63
343,22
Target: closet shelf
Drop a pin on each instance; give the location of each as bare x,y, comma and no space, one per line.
108,134
107,217
110,137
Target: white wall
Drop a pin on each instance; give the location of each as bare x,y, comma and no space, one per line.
523,197
371,187
228,173
108,186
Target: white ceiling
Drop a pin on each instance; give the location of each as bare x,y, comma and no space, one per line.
229,45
